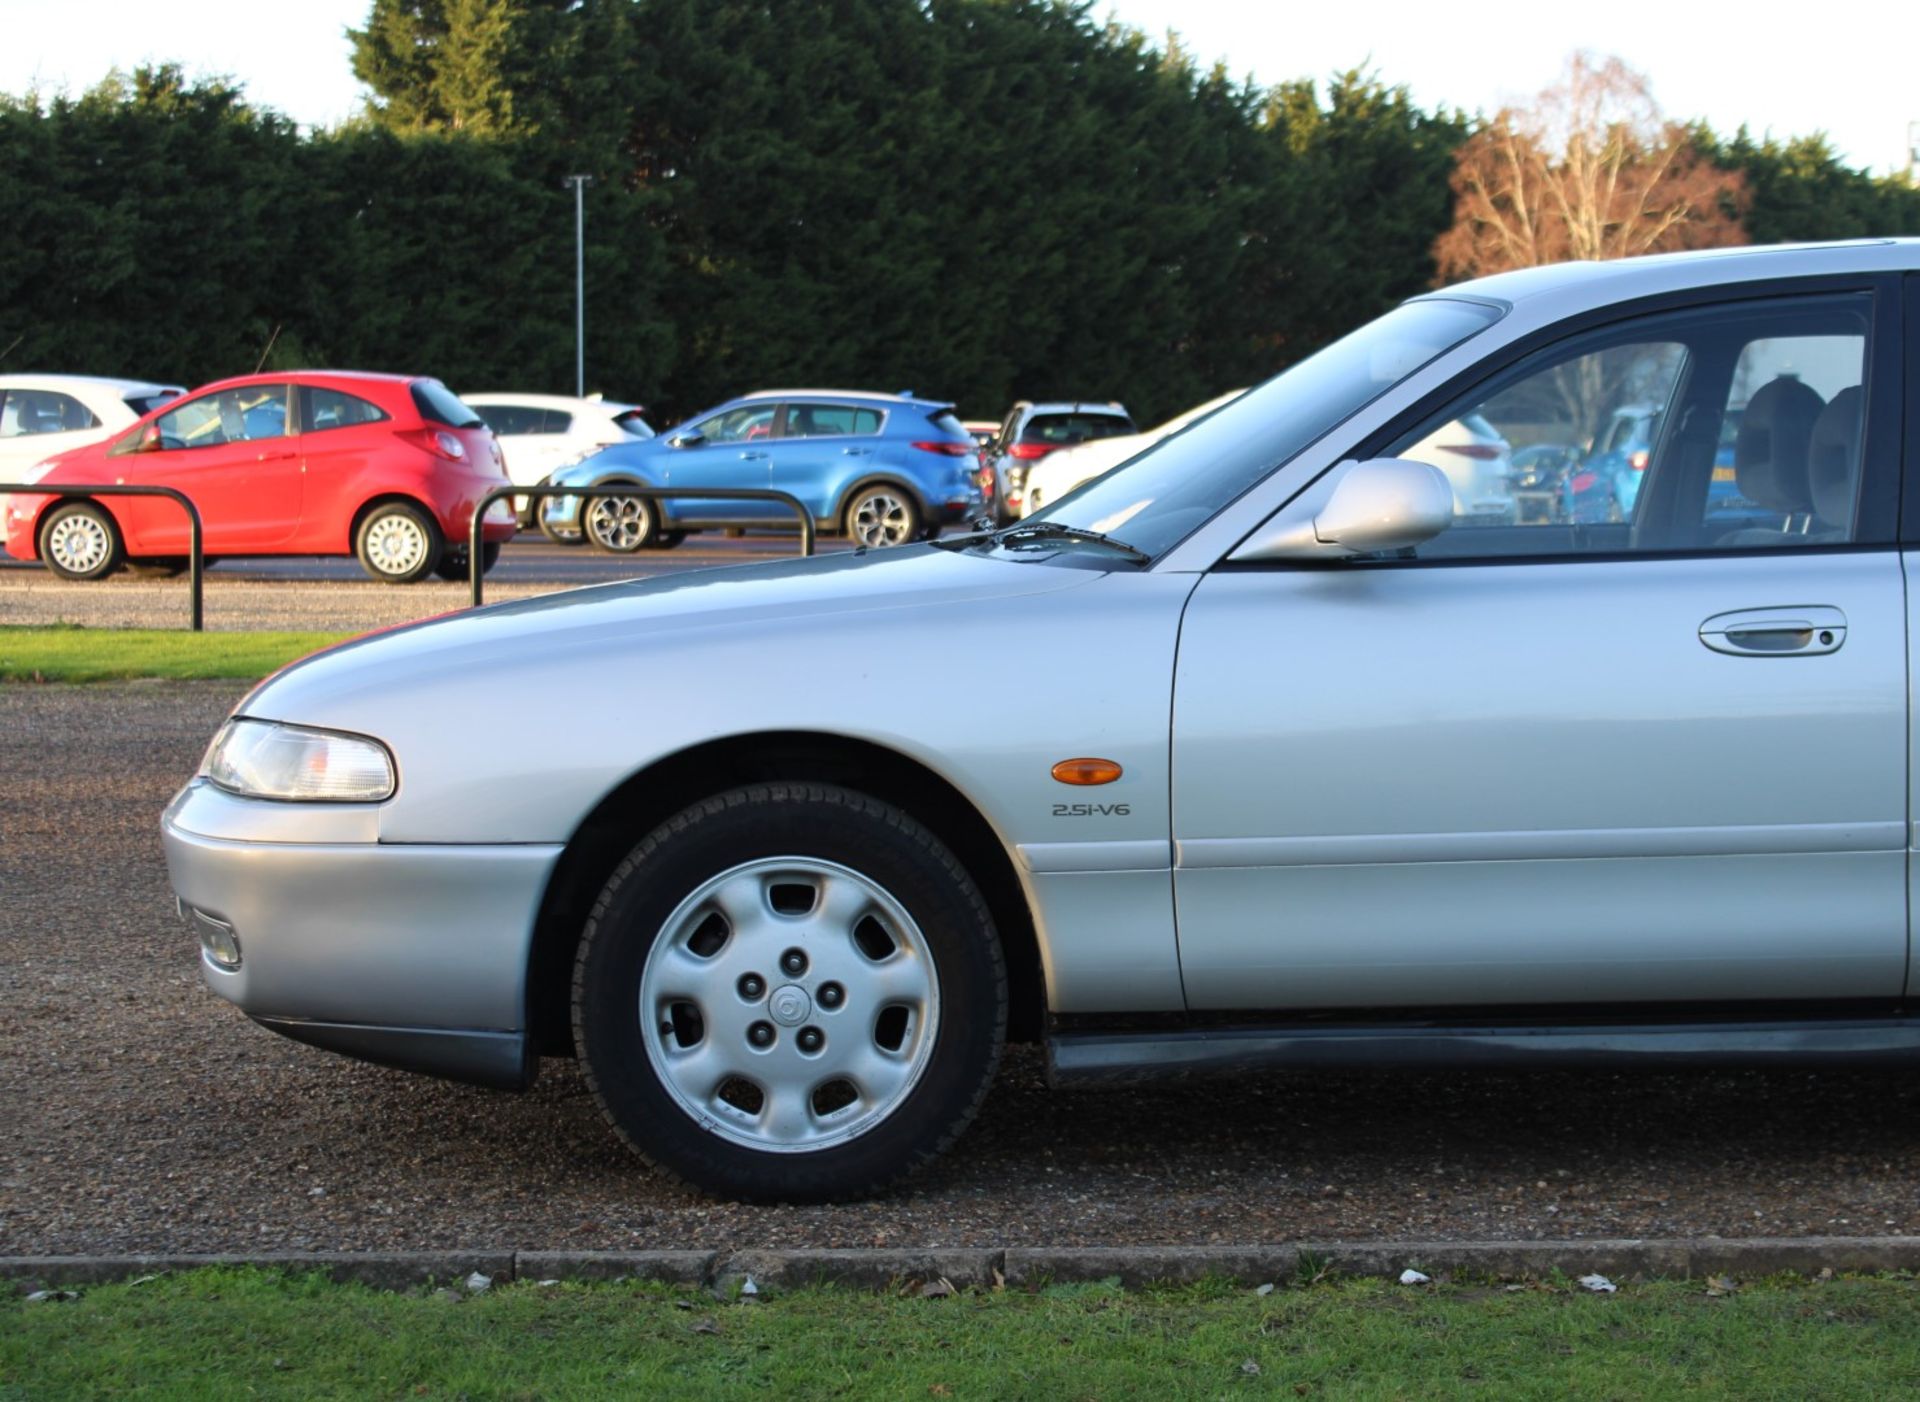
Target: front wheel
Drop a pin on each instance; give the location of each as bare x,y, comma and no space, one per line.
790,993
883,515
398,543
621,525
80,541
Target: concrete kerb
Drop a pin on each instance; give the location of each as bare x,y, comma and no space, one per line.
1028,1267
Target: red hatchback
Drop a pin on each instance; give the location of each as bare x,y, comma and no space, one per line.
388,468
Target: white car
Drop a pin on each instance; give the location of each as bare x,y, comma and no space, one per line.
1308,776
541,433
1059,473
1478,461
45,415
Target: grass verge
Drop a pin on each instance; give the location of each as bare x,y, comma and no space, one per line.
221,1333
73,654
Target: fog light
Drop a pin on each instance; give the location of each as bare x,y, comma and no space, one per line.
217,939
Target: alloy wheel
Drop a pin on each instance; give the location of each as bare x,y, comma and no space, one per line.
881,518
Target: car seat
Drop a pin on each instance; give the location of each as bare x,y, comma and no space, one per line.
1770,459
1833,467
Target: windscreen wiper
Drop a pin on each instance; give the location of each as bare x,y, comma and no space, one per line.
1055,530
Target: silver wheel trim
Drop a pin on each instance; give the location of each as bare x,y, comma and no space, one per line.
787,1077
80,542
880,518
619,523
396,544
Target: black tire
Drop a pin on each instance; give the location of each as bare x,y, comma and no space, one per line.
881,846
881,515
619,525
666,540
398,543
453,561
79,540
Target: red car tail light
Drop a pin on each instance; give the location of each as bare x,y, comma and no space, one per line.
946,448
1030,452
436,441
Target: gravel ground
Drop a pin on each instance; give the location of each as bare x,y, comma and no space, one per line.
143,1114
38,597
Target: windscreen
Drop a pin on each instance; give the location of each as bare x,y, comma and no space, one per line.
1155,499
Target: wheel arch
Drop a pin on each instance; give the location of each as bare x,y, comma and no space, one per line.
876,479
375,502
648,798
55,503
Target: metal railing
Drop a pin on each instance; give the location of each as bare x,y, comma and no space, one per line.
196,562
476,547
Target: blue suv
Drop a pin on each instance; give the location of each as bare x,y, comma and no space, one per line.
883,469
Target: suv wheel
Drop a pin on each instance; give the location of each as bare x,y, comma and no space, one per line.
883,515
398,543
621,524
80,541
790,993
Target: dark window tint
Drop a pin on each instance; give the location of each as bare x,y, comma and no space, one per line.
440,405
1063,429
24,412
331,408
633,425
511,418
144,404
830,420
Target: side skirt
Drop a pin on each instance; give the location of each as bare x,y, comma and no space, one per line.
1124,1058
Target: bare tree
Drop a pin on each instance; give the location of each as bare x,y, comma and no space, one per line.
1592,170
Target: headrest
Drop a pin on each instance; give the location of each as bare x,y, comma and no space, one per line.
1770,455
1833,458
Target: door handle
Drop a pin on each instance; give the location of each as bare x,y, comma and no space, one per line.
746,456
856,452
276,457
1811,631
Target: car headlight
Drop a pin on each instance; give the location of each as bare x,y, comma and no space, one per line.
264,759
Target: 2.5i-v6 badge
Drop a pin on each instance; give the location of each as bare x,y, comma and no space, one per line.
1091,810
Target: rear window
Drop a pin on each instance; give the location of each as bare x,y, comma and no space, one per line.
25,412
1060,429
950,425
633,425
440,405
511,418
144,404
831,421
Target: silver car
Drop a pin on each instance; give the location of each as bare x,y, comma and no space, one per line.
1309,777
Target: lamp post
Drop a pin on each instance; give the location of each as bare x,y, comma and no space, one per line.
579,183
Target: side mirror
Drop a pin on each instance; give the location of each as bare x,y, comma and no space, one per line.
1381,504
149,440
692,438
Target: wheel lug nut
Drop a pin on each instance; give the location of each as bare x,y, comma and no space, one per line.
761,1034
811,1039
793,963
752,987
832,995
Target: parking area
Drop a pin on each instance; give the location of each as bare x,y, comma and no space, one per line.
143,1114
310,593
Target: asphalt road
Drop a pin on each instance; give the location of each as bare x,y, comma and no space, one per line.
142,1113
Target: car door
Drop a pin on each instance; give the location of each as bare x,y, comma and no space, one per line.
1654,761
824,449
233,451
732,449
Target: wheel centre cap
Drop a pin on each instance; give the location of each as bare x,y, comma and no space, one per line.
790,1005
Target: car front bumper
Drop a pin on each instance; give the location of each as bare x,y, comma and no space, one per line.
413,955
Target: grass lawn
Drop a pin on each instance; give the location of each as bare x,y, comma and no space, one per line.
231,1333
72,654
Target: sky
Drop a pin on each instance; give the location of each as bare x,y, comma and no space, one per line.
1728,65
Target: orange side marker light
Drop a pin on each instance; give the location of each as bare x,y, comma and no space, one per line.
1086,771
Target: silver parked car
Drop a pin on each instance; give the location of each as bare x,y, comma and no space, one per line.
1308,778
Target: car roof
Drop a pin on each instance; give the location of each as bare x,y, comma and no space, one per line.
547,401
902,397
1111,407
1620,279
270,377
105,382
